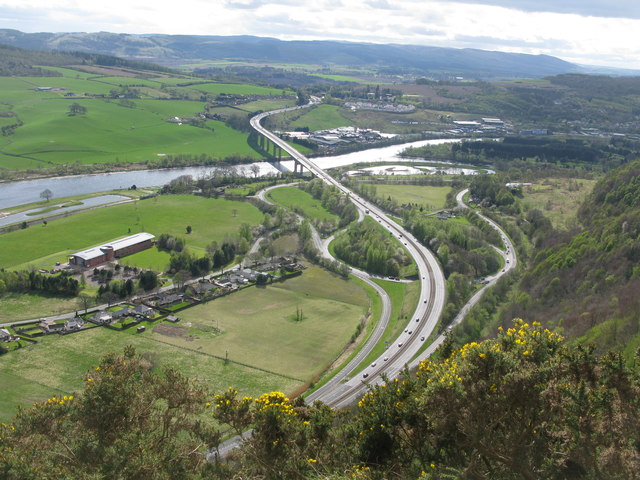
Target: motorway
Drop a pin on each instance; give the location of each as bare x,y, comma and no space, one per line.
510,260
341,393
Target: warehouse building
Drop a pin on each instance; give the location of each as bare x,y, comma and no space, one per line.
111,251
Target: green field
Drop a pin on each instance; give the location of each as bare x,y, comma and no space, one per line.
340,78
431,198
293,197
238,89
115,130
109,132
210,219
558,198
255,323
57,364
321,117
24,306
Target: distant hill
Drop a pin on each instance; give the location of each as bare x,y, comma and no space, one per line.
423,60
25,62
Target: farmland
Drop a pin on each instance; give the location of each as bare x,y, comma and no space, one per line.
429,197
296,199
331,308
210,219
125,119
321,117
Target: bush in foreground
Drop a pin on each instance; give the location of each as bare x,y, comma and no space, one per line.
521,406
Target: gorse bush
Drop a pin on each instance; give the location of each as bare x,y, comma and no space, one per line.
524,405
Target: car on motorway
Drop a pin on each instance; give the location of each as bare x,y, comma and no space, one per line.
410,332
400,344
422,338
385,359
365,375
417,319
373,364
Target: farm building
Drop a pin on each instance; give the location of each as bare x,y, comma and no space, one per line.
116,249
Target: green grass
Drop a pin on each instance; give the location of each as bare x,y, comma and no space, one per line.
110,132
151,259
321,117
340,78
24,306
57,364
237,89
258,322
286,244
429,197
210,219
558,199
293,197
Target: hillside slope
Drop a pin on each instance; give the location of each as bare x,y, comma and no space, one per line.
399,58
588,282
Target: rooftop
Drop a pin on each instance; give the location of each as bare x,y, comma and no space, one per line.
115,245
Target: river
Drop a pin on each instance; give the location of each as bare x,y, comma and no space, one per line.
28,191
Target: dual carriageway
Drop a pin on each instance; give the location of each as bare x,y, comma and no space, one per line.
343,390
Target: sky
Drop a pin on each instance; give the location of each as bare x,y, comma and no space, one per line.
591,32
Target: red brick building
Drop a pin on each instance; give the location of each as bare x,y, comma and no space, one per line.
116,249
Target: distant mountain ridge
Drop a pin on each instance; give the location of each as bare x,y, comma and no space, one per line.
473,63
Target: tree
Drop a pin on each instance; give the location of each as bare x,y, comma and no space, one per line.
77,109
189,229
46,194
85,301
148,280
180,278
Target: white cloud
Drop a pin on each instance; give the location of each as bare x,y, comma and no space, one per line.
525,26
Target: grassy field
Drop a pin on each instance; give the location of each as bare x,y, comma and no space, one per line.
321,117
431,198
24,306
238,89
286,244
260,321
57,364
293,197
558,199
111,131
255,323
210,219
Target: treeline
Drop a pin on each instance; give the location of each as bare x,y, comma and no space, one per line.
31,281
460,248
366,246
599,85
191,160
112,290
169,243
492,190
540,149
332,200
